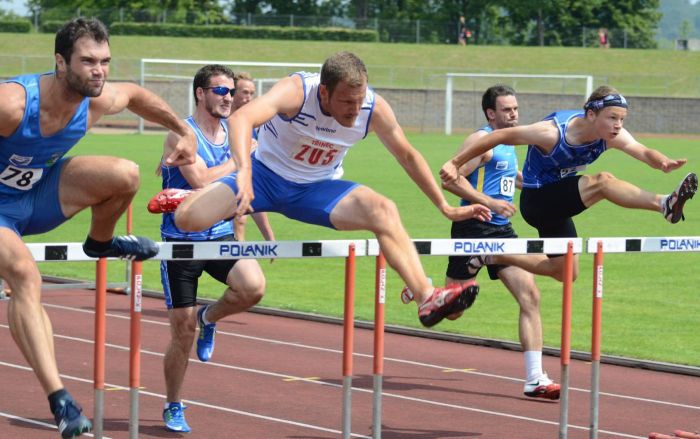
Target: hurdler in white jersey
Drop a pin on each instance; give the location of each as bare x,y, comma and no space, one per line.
309,122
311,145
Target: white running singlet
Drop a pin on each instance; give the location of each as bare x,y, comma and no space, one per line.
311,145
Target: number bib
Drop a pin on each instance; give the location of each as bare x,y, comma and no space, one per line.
508,186
20,178
314,152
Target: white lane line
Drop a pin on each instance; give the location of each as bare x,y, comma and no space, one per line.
384,394
189,402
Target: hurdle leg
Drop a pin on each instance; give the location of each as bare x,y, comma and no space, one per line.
135,349
129,230
348,335
595,338
99,348
379,301
566,340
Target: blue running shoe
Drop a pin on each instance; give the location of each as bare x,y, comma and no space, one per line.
205,341
133,248
70,420
174,418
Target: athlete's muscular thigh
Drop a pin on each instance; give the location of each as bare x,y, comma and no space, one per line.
17,267
364,209
88,180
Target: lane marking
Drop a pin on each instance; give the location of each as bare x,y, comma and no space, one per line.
39,423
195,403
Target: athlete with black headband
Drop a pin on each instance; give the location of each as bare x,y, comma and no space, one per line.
559,147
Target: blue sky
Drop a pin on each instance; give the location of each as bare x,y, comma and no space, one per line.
16,6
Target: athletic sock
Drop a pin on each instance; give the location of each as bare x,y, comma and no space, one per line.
97,246
56,397
204,316
533,365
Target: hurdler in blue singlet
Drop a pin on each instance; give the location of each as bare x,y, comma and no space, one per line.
564,160
496,178
30,165
26,155
213,155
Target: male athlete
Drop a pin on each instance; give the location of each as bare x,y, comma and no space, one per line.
41,117
561,146
491,179
213,86
309,122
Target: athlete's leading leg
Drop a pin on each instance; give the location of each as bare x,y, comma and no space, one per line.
364,209
105,184
206,207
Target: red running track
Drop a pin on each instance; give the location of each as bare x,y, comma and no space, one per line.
275,377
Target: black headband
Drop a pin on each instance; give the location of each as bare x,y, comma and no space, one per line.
607,101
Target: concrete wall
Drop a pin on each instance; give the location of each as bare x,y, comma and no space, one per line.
424,110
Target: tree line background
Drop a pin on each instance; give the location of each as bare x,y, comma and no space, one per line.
515,22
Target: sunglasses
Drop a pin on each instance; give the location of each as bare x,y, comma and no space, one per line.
221,90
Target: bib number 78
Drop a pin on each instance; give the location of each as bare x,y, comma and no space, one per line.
20,178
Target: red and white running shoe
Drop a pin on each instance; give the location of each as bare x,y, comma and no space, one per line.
447,301
542,387
167,200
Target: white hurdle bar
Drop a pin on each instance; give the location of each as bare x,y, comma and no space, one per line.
503,246
600,246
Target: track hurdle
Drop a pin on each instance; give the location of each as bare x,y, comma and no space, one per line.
599,246
288,249
64,252
510,246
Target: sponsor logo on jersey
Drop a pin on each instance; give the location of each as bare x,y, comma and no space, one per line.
326,130
19,160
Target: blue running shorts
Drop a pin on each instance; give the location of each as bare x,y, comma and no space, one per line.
310,203
39,209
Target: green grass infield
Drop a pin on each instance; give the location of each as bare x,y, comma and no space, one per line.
650,304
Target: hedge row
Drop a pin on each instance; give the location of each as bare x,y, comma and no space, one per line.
18,26
254,32
51,26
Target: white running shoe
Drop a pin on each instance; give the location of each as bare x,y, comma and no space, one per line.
542,387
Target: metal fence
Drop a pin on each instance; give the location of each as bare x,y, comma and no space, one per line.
398,31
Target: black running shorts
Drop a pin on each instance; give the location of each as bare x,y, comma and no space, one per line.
180,279
475,229
550,208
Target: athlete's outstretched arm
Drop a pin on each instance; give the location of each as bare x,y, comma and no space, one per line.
387,128
626,143
117,97
198,174
286,97
464,189
540,133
